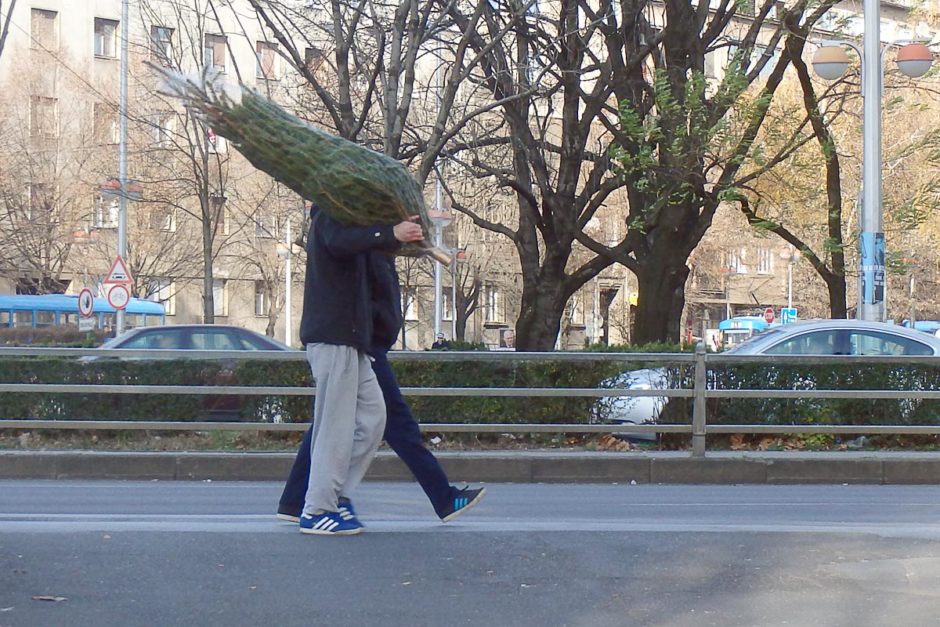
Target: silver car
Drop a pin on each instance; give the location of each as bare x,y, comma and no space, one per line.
816,337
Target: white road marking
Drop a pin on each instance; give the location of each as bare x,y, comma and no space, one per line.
251,523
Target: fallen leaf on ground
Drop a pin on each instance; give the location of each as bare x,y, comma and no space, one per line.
48,597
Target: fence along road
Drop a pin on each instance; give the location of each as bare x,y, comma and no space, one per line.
699,392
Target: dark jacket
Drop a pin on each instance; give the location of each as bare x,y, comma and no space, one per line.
386,301
338,287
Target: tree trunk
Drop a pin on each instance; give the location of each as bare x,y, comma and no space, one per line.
661,287
208,301
835,283
543,304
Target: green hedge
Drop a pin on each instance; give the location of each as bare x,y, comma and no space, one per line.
165,407
849,411
471,409
469,374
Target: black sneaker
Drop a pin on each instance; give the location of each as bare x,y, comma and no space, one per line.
462,501
289,513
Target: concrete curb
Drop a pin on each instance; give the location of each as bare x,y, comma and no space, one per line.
498,466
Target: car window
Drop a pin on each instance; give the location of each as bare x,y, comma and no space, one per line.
814,343
848,342
215,340
254,343
157,338
873,343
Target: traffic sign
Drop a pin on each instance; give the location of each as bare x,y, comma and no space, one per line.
86,303
119,274
787,315
119,296
769,315
86,324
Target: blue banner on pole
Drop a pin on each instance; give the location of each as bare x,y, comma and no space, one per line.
873,267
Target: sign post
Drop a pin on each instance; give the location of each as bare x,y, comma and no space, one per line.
86,310
119,293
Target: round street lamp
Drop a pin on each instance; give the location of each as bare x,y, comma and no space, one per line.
830,62
914,59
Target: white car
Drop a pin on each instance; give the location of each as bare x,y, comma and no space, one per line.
817,337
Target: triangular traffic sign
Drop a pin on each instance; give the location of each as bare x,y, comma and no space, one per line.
119,272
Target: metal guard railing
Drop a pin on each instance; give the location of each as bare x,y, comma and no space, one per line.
699,393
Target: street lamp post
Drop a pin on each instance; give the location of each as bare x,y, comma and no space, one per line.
285,252
122,156
439,220
830,62
791,256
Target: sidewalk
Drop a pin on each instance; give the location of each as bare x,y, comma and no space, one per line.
498,466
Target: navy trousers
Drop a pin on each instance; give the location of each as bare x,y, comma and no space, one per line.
401,433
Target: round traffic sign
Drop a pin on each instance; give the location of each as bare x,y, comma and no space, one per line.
769,315
86,303
119,296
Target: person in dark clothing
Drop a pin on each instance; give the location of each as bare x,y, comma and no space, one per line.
401,430
336,328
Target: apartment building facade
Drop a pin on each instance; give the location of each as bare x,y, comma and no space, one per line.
211,234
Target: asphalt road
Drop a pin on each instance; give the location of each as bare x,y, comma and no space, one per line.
209,553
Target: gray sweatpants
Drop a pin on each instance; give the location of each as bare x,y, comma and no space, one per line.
348,421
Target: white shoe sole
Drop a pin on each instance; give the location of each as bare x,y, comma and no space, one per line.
288,517
323,532
460,511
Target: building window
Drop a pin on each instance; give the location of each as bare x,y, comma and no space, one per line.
765,261
220,212
409,304
261,298
43,118
106,38
492,303
266,226
106,212
43,30
163,291
313,57
266,67
447,304
161,129
161,44
40,204
214,52
216,143
220,297
736,261
163,219
576,310
711,64
106,129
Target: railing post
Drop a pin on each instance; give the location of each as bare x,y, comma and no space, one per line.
698,403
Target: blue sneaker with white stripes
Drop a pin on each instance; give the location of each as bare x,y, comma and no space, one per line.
462,501
291,513
346,511
329,524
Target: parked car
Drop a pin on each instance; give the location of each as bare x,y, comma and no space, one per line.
204,337
817,337
195,337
